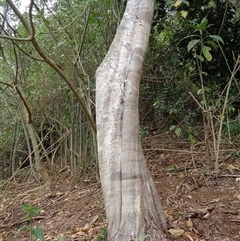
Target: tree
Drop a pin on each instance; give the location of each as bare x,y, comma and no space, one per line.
19,29
132,205
222,20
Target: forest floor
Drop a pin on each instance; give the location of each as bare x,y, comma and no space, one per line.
199,206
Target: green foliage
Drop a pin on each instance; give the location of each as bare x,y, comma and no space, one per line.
76,37
38,233
174,103
143,237
176,129
61,239
30,210
235,153
231,128
214,21
203,41
189,39
35,233
144,131
189,133
102,235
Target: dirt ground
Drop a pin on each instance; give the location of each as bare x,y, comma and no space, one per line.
199,206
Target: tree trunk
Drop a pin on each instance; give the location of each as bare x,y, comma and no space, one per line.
132,204
39,166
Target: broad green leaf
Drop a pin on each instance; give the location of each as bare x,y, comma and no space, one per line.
61,239
216,37
206,53
203,24
192,43
212,43
178,131
46,21
172,127
185,2
177,3
184,13
199,91
191,139
40,14
144,237
38,233
32,211
194,26
200,57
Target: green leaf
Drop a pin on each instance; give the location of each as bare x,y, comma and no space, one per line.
144,237
40,14
32,211
179,2
192,43
178,131
203,24
206,53
61,239
26,207
38,233
217,38
46,21
200,58
194,26
185,2
203,102
191,139
21,229
172,127
212,43
199,91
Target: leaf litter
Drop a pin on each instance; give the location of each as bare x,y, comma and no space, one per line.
198,205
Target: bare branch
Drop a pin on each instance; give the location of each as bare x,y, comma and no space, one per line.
20,16
15,39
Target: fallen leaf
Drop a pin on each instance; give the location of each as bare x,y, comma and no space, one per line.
81,233
176,232
189,223
188,236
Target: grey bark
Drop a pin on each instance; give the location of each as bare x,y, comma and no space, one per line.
132,204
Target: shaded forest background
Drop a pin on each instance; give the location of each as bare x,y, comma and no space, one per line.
190,83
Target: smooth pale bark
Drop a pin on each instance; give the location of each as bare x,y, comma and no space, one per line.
132,204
